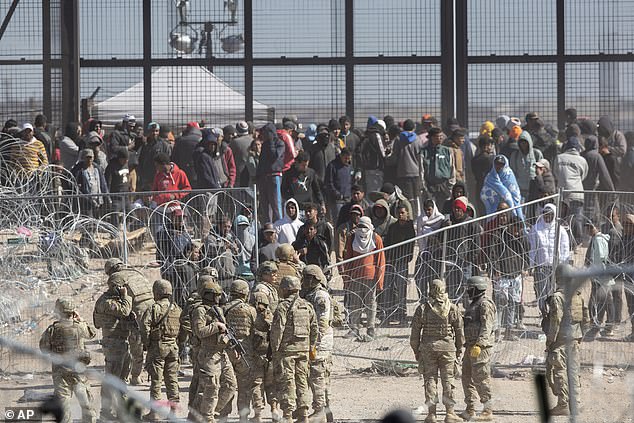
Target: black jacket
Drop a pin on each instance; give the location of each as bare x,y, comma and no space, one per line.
541,186
302,186
117,176
272,156
182,153
598,176
321,154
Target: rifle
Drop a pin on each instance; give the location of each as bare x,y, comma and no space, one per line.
233,341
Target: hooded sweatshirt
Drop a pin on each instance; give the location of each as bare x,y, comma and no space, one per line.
174,180
570,169
428,224
406,155
598,176
382,225
598,255
523,165
287,227
183,151
542,241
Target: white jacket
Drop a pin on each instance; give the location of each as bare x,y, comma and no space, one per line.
286,227
542,242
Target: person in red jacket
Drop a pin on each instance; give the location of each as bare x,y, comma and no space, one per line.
168,177
363,276
289,143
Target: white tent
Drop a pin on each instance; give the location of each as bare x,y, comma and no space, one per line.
181,95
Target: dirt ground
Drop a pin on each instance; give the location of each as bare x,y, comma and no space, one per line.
359,392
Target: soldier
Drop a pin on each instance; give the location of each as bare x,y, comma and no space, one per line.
315,284
240,316
479,321
112,316
564,324
210,330
267,283
193,302
288,263
140,289
437,338
161,323
293,334
66,337
261,368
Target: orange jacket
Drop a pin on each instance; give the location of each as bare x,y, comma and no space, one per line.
371,267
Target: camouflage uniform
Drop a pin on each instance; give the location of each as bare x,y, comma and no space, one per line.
479,322
286,264
193,302
436,336
264,372
208,328
564,325
315,282
140,289
261,368
66,337
159,330
112,316
293,334
240,316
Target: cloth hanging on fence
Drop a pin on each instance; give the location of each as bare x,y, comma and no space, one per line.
501,186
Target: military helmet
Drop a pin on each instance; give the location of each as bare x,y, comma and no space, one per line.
285,252
116,280
239,287
562,273
209,271
261,298
112,265
210,287
315,275
290,283
478,282
64,306
162,288
267,267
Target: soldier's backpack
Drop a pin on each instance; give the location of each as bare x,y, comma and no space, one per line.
65,338
338,313
575,315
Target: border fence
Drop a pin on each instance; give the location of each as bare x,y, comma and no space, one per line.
329,58
61,251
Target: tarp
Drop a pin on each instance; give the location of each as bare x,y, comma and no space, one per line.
181,95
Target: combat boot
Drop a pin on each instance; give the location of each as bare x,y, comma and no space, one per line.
257,417
318,416
485,416
451,416
561,409
468,414
276,413
431,414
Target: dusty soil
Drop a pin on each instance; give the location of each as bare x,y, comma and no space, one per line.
359,392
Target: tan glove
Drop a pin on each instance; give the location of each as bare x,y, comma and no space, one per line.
312,354
475,351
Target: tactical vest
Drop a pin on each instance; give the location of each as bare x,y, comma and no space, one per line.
472,320
312,298
139,288
271,293
109,324
169,327
219,341
287,269
435,327
261,332
576,308
186,321
239,316
65,337
297,328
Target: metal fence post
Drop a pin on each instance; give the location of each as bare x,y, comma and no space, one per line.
557,236
257,224
443,265
125,230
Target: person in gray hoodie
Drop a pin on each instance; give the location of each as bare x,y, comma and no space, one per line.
570,169
523,161
616,144
406,156
598,177
381,217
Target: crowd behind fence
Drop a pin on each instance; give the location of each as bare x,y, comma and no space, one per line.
51,249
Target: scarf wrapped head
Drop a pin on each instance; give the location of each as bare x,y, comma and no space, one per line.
364,236
438,298
501,186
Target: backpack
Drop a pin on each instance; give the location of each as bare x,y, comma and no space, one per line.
338,314
575,315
